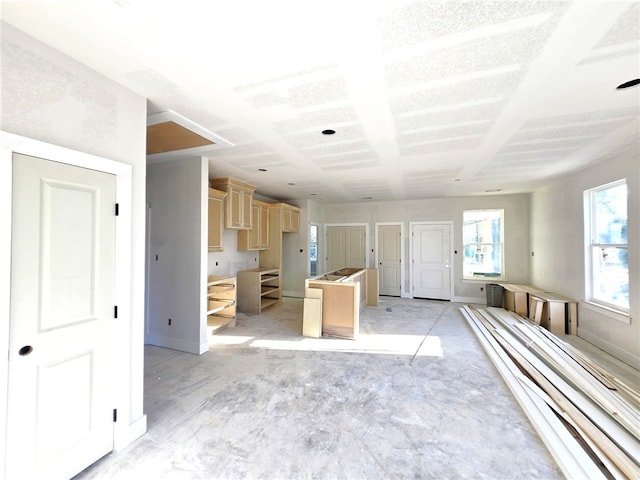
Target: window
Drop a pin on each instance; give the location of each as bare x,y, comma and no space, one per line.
607,265
313,249
482,234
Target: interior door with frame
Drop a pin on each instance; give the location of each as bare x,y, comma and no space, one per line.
389,259
346,246
60,387
431,255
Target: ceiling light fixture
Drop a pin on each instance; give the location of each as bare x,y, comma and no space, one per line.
630,83
291,184
328,131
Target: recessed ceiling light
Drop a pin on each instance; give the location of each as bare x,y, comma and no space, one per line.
328,131
313,194
367,198
262,169
456,180
291,183
630,83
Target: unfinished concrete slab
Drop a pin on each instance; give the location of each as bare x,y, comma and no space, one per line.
414,396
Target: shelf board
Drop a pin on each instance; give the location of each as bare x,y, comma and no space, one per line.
215,323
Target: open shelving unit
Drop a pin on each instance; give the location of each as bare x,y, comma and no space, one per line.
259,289
221,303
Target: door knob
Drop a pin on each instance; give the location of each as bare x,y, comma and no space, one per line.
26,350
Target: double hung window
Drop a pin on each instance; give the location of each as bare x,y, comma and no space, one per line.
607,264
483,233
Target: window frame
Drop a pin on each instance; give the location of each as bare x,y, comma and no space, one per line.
592,242
501,244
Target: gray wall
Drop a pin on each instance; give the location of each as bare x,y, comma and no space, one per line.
557,238
516,231
177,253
50,97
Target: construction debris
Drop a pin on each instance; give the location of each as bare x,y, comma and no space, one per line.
588,419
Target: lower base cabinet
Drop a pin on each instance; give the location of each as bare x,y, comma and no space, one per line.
258,289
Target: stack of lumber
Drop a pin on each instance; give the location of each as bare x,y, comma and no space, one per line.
588,419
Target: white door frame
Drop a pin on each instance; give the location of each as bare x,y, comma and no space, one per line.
412,225
124,432
403,268
366,238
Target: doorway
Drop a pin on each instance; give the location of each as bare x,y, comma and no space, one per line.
431,261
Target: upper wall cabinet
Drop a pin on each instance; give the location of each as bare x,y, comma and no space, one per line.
216,216
258,237
290,218
238,205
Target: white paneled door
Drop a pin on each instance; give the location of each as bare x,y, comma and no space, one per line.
389,260
346,247
431,255
60,400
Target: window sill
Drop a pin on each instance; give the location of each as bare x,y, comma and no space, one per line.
483,280
618,315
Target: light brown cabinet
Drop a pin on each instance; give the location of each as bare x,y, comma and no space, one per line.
290,218
215,219
258,237
238,202
258,289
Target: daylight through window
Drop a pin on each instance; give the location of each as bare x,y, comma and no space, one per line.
482,234
606,239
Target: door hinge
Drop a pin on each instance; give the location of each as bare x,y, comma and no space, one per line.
115,415
115,311
117,209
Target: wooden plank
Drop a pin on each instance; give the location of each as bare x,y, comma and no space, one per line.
570,457
622,444
372,286
312,313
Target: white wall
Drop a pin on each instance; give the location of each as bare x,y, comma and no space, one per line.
516,230
50,97
176,195
230,260
557,239
295,256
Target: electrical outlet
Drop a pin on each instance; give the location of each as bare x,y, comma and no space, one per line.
482,289
216,264
169,322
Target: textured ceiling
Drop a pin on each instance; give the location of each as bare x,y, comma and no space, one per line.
427,98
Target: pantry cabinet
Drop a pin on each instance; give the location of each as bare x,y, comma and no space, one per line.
238,202
258,237
215,220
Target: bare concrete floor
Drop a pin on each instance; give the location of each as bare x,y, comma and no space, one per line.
414,397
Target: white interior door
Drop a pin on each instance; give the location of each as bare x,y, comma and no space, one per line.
346,246
60,404
431,254
389,259
355,247
336,248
